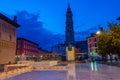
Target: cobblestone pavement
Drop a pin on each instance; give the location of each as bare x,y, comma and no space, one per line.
85,71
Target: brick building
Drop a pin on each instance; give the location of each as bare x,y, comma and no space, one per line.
7,39
26,50
92,43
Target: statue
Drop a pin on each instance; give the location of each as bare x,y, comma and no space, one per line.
70,47
70,53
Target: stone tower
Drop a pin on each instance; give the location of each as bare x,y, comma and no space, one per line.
69,31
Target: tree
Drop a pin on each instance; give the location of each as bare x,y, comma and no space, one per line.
115,33
104,45
109,41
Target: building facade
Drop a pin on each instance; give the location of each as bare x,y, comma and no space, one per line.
26,50
92,43
59,49
82,46
7,39
44,54
69,30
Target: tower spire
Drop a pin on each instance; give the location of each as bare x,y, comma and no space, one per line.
68,6
69,31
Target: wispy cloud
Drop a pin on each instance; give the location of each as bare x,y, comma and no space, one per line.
81,35
33,29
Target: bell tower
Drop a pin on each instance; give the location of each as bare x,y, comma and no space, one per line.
69,30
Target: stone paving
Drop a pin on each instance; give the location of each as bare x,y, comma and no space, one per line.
86,71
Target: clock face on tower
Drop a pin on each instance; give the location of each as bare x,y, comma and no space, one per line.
68,34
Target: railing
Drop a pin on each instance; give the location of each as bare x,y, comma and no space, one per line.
14,72
51,67
22,68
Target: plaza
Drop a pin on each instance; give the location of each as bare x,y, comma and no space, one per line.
59,40
83,71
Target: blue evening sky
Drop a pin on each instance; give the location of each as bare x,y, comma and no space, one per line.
50,15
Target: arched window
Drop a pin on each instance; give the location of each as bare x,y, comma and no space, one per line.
0,35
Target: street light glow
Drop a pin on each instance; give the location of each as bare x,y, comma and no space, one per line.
98,32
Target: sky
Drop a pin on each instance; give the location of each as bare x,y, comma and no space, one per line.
43,21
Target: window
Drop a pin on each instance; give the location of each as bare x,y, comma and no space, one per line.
90,50
10,37
0,26
68,25
9,29
19,43
18,52
89,40
96,50
5,28
95,39
95,44
90,45
68,34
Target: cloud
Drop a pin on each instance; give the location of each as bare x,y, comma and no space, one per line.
33,29
81,35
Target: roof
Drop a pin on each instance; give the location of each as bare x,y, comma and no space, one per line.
92,35
59,45
84,41
27,40
44,50
3,17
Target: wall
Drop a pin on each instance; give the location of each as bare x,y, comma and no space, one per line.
7,42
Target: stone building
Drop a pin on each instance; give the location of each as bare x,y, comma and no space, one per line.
26,49
7,39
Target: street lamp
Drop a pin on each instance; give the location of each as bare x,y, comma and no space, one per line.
98,32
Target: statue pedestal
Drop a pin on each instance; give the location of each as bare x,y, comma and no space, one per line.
70,53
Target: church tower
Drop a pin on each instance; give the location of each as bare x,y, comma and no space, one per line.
69,31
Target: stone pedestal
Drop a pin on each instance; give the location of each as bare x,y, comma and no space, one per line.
70,53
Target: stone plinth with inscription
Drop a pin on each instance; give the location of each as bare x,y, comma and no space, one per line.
70,53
